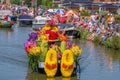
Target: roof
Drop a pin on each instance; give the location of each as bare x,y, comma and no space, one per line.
78,1
71,4
111,5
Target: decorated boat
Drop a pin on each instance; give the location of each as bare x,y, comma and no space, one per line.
51,53
6,24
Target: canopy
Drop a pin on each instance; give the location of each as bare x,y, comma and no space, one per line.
50,10
59,11
25,16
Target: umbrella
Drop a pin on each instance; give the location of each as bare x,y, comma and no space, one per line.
51,10
59,11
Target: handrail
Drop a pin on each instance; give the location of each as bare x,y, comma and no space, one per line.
25,19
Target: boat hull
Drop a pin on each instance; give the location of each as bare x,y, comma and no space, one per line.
6,26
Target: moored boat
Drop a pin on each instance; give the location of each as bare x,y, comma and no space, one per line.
39,22
70,30
25,20
6,24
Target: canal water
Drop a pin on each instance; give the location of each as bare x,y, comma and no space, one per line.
97,62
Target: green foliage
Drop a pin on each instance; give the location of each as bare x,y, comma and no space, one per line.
47,3
33,62
63,46
39,2
113,42
15,2
117,18
28,2
85,13
108,43
84,34
105,14
44,48
97,40
116,42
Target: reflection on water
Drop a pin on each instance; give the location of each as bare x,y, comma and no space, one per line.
36,76
97,62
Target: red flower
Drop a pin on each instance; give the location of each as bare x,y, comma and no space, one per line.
54,66
64,66
27,50
11,22
71,66
48,66
52,35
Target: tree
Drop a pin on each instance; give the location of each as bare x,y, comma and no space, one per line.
28,2
47,3
15,2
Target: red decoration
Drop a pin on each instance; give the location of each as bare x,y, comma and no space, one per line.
64,66
54,66
48,66
71,66
5,18
52,35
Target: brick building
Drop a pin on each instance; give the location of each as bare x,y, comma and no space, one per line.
108,5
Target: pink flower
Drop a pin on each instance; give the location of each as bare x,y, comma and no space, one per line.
59,55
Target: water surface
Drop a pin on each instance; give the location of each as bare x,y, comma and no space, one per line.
97,63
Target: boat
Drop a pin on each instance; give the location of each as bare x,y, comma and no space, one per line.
25,20
6,24
70,30
39,22
51,54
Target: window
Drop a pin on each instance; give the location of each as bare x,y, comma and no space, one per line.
102,0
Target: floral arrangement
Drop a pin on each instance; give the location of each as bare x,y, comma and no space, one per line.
41,47
67,63
51,63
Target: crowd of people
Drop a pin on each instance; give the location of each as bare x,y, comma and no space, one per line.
95,23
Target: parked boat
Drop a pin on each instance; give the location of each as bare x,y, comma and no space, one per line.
39,22
25,20
6,24
70,30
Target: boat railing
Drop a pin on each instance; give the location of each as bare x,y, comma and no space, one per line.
25,19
